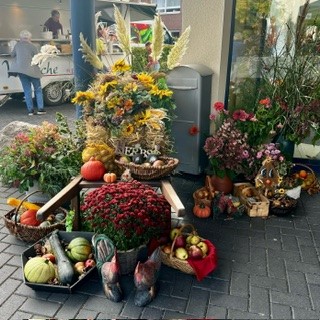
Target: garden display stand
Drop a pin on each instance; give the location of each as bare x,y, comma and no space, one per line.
71,193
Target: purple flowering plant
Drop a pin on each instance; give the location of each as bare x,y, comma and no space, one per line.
230,149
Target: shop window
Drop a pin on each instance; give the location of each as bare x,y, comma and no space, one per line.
268,38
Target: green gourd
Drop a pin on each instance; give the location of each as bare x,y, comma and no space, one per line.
39,270
64,266
59,217
79,249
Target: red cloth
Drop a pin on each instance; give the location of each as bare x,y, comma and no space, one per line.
206,265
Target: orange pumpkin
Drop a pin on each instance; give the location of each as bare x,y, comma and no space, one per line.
110,177
29,217
93,170
201,210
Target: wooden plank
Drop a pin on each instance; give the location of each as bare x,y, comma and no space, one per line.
66,194
172,197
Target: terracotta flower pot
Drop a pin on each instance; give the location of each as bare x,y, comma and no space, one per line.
224,184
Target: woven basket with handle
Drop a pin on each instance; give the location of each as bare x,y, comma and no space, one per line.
207,190
142,172
30,233
171,261
313,184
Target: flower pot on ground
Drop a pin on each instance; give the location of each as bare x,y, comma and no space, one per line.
223,184
129,213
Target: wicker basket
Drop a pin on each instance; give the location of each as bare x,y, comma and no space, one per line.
313,185
208,188
284,206
141,172
171,261
30,233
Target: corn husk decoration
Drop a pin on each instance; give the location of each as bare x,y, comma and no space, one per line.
157,38
179,49
89,55
122,32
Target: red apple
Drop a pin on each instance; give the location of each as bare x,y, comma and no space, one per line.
195,252
180,241
50,257
166,248
89,263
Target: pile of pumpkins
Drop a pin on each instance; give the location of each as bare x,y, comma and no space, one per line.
59,264
28,214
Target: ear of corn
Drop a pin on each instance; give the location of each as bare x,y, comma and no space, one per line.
14,202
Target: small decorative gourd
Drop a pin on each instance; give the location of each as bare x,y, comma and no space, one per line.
201,210
39,270
110,177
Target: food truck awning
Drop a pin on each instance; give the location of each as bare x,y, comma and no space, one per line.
137,11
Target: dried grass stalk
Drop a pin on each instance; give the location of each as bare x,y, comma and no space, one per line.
157,38
178,50
122,32
89,55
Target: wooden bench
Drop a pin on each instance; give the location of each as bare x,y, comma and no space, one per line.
71,193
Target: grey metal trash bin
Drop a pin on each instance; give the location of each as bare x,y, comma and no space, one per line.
191,86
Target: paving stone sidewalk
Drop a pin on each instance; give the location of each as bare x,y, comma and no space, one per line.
268,269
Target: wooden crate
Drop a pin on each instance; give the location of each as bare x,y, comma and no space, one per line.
239,186
66,48
256,204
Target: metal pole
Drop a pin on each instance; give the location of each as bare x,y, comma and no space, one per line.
82,21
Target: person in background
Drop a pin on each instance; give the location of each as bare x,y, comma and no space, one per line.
53,24
29,75
153,65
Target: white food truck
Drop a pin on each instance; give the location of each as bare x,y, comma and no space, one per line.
57,80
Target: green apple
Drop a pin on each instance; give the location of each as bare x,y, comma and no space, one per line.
203,246
181,253
195,239
174,233
188,240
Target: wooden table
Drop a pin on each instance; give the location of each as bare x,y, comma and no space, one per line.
71,193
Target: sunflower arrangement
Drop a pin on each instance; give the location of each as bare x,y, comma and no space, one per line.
122,108
133,108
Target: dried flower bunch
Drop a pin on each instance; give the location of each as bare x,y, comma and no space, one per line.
129,213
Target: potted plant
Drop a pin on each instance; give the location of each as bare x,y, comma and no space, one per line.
48,155
131,214
238,146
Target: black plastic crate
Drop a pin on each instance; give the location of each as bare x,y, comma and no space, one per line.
67,237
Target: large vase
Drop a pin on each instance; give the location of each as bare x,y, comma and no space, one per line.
35,195
286,146
128,259
224,184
